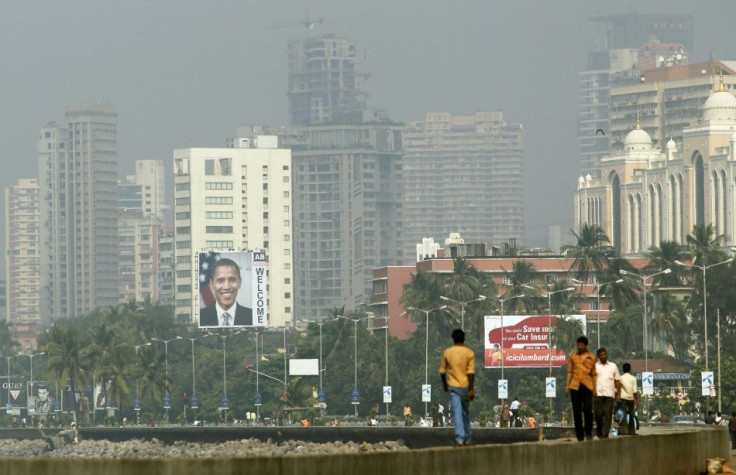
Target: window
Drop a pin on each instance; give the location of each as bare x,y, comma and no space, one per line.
287,266
287,237
287,309
219,215
285,168
183,244
286,208
286,179
265,215
209,167
218,200
219,229
183,230
265,244
218,185
182,273
265,187
287,252
225,166
286,223
182,186
265,201
287,280
286,194
184,288
183,259
287,295
220,244
550,278
179,201
265,229
182,216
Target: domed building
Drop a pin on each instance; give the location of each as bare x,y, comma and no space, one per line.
645,196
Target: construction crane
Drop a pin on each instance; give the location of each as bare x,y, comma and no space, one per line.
306,22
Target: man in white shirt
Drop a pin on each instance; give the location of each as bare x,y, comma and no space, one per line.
629,394
607,389
515,420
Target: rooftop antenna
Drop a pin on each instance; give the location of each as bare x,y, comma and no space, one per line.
307,23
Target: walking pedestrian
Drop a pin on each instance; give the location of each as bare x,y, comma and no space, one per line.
515,419
580,387
505,414
607,389
441,410
457,370
629,396
407,414
732,430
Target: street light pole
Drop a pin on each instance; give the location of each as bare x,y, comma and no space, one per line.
31,356
503,339
598,310
166,359
137,380
645,333
462,306
549,325
355,350
704,268
426,346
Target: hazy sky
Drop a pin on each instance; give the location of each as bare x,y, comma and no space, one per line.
187,73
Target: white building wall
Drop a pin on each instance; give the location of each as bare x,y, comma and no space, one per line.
252,184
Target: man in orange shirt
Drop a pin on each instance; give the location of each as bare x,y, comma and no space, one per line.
457,371
581,380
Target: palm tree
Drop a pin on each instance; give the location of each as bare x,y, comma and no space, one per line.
152,373
623,294
669,322
8,345
422,291
64,359
522,276
588,253
565,332
705,245
663,257
465,281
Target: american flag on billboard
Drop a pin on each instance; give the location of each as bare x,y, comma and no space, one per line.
207,261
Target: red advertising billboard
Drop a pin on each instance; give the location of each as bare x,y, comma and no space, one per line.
521,341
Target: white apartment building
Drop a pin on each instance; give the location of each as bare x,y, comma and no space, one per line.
23,261
231,199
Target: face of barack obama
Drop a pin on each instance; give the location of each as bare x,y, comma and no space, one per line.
225,284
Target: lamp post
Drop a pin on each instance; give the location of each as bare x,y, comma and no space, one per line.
194,376
598,310
426,345
503,339
137,392
462,306
549,325
9,405
225,400
166,359
31,356
355,350
705,300
645,334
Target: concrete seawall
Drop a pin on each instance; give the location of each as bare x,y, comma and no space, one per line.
671,451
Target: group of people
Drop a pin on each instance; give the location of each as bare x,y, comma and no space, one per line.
593,385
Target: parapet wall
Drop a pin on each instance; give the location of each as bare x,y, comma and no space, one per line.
665,452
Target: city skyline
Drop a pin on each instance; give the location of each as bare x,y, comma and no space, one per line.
160,113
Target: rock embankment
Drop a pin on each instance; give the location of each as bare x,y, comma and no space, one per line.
59,447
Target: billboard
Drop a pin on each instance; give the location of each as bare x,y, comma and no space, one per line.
39,398
233,289
303,367
14,392
523,341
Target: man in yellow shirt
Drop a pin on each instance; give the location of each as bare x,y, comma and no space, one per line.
580,387
457,371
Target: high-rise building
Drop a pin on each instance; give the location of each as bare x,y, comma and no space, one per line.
78,200
668,101
347,212
463,173
325,83
141,210
22,244
144,191
166,267
626,39
233,199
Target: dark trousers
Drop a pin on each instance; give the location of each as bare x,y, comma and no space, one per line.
733,439
629,411
582,409
603,408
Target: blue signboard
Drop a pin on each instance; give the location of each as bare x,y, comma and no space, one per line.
167,401
257,399
355,396
137,405
225,403
57,405
321,396
194,402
